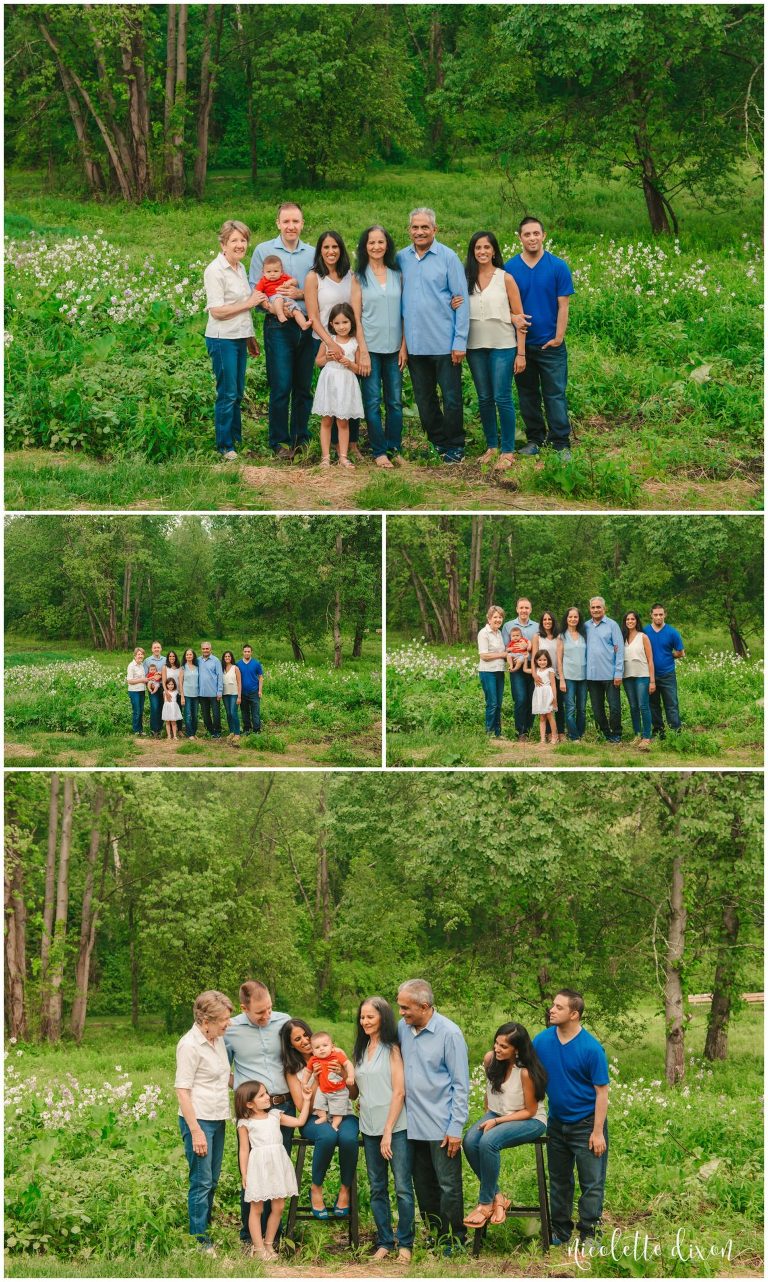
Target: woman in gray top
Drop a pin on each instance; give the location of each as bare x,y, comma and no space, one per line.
379,285
381,1083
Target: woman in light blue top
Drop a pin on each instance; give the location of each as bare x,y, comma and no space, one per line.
188,688
381,1082
379,283
572,672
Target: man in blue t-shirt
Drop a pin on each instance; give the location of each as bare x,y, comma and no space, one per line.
251,685
577,1103
667,645
545,285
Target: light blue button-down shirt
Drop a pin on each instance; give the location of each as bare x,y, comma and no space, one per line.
529,629
432,327
381,315
436,1078
605,650
210,678
254,1051
296,262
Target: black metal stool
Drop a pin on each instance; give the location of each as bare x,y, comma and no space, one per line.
298,1211
542,1210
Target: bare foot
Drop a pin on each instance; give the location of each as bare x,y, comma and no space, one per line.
488,456
381,460
381,1254
404,1255
505,461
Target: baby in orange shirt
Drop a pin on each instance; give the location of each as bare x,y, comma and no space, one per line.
273,277
334,1074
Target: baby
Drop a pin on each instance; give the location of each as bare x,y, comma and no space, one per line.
517,649
273,278
334,1074
153,679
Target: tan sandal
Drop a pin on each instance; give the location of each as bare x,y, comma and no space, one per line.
478,1218
501,1205
326,461
345,462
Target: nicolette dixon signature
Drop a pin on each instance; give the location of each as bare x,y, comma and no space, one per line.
638,1246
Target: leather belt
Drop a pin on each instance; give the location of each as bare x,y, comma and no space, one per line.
279,1099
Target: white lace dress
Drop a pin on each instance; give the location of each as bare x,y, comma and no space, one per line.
270,1170
543,698
338,391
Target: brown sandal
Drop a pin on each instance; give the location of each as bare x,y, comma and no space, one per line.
501,1205
478,1218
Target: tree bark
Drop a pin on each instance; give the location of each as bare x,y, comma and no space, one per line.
134,964
247,61
426,622
176,186
674,1062
50,877
89,916
91,167
451,566
170,81
337,607
493,567
15,937
121,142
473,585
323,899
738,640
442,619
208,72
357,643
716,1043
51,1022
293,637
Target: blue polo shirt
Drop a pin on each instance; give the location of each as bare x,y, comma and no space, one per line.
436,1067
540,287
574,1069
296,262
249,677
663,643
432,327
605,649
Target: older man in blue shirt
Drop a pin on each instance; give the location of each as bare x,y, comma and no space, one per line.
210,687
437,1089
435,333
605,668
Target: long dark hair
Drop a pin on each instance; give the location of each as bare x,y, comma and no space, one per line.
245,1092
168,660
579,626
390,253
342,266
625,629
472,267
387,1029
293,1060
497,1070
231,656
555,624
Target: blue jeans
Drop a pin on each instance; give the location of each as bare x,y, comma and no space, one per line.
377,1167
637,692
385,374
229,357
544,379
204,1175
444,425
575,708
230,707
666,692
289,353
190,715
599,691
251,710
493,689
137,710
568,1146
211,713
521,686
325,1139
156,711
483,1149
492,369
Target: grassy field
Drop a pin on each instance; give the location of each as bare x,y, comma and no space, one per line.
109,391
67,706
97,1188
435,714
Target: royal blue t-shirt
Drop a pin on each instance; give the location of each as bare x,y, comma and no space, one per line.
249,675
663,643
540,287
574,1069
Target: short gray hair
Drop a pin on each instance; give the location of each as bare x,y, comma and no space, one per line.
493,609
601,599
428,213
210,1005
420,991
230,226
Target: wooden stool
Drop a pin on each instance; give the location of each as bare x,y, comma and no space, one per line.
542,1210
297,1211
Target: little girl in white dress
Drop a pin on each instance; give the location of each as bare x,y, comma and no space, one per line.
544,695
265,1168
171,709
337,395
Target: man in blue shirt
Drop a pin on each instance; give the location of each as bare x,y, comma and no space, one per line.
289,351
210,688
520,682
545,285
667,645
435,334
605,669
155,660
436,1067
251,685
577,1106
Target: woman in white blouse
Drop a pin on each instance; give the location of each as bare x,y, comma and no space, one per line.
137,681
492,667
229,334
496,344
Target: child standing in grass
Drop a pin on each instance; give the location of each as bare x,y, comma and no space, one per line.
337,395
171,709
265,1167
544,695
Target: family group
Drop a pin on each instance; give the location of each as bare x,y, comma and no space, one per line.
180,692
421,308
410,1080
554,665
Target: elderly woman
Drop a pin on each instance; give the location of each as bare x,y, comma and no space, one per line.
328,282
202,1087
378,287
229,333
492,667
137,680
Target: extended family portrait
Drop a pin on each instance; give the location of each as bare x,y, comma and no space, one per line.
350,1025
183,641
235,280
590,640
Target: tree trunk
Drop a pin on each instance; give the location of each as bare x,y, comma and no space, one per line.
493,567
738,640
357,643
443,622
136,609
170,81
656,203
208,72
544,980
323,899
473,586
15,938
451,566
134,964
91,167
674,1064
293,637
716,1044
426,622
121,142
50,1028
50,877
176,187
88,921
337,606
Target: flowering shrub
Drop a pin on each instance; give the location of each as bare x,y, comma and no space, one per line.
420,662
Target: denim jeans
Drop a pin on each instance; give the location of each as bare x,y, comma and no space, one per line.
493,689
381,1210
521,686
568,1145
230,707
666,692
137,710
439,1189
636,689
385,375
204,1175
325,1139
444,426
483,1149
492,369
211,713
251,710
245,1207
289,354
190,710
599,691
544,379
156,711
229,357
575,700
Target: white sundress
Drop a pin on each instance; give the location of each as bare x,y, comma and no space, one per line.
171,709
270,1170
543,699
338,391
